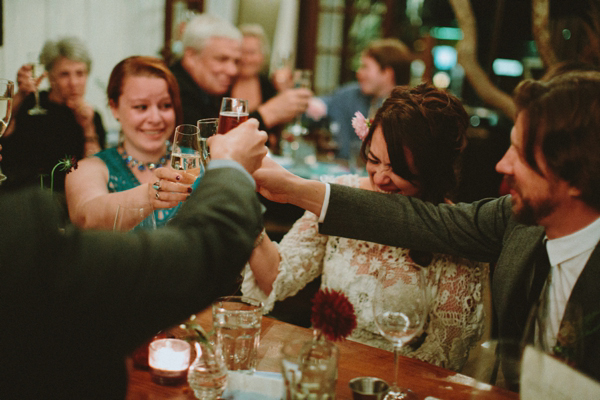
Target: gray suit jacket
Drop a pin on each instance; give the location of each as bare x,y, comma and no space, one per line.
483,231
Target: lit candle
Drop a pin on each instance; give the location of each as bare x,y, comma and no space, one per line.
169,360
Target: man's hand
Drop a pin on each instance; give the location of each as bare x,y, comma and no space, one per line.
278,184
244,144
285,106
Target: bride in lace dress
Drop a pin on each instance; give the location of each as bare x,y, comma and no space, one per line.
411,148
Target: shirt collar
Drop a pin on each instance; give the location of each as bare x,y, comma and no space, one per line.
567,247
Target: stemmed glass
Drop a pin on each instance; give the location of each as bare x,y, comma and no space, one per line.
187,154
6,98
233,112
37,70
302,79
207,127
400,308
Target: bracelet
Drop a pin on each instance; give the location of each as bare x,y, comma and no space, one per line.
260,238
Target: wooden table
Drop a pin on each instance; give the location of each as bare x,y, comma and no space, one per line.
355,360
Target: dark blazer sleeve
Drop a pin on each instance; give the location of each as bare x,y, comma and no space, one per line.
475,231
124,288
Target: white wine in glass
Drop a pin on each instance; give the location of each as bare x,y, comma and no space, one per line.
6,100
37,70
400,307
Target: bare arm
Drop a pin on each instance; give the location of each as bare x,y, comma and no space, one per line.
91,205
264,262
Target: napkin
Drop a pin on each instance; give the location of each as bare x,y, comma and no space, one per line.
257,386
544,377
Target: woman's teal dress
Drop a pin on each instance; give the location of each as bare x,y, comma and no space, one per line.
120,178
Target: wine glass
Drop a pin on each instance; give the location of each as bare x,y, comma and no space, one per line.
6,98
233,112
302,79
400,308
187,154
206,128
37,70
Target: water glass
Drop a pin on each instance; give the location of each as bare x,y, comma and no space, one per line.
309,369
134,217
186,154
236,321
233,112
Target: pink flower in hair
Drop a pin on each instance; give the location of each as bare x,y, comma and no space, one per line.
361,125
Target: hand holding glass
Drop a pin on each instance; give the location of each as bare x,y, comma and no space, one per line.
400,308
233,112
6,100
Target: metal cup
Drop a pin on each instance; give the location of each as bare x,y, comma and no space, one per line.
368,388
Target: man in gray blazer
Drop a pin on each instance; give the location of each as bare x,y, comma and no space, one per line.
73,304
553,170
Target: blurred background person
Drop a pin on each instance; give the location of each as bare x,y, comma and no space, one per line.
144,97
252,82
412,148
34,144
209,67
384,64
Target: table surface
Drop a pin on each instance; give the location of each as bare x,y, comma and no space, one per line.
355,360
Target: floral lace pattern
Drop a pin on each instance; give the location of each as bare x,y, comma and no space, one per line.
456,317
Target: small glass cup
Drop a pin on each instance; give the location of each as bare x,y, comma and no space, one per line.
237,322
233,112
169,360
132,217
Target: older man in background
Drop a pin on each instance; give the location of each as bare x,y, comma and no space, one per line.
208,68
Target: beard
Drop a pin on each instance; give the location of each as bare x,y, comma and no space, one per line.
531,213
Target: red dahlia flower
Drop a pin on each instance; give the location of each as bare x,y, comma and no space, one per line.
333,314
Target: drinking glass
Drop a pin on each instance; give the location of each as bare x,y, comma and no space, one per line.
236,321
6,98
187,153
37,70
302,79
400,307
233,112
132,217
206,128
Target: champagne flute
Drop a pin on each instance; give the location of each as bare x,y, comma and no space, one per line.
187,154
206,128
233,112
6,98
400,308
37,70
302,79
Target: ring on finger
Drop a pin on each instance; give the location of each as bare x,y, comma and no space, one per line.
157,195
156,185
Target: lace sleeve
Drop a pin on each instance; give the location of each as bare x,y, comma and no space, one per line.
457,314
302,250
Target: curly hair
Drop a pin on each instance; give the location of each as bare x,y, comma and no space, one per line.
431,123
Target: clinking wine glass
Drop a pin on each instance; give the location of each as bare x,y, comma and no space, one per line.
233,112
187,154
207,127
400,308
302,79
37,70
6,98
